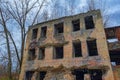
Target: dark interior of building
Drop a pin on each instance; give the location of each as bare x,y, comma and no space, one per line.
58,52
92,47
31,54
41,53
42,75
34,33
89,24
79,74
76,25
59,28
43,31
29,75
114,47
115,56
77,51
95,74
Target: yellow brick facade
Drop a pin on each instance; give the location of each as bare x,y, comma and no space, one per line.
68,63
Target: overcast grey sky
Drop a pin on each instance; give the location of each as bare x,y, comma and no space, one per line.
114,12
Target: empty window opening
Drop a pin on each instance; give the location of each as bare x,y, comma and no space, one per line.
79,74
43,31
34,33
96,74
110,33
42,75
115,56
59,28
76,25
92,47
77,51
118,62
58,52
89,24
32,54
41,53
29,75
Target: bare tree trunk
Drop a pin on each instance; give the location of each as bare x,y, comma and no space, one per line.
22,50
8,46
16,50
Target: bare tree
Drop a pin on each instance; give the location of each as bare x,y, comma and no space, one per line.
24,13
71,7
3,20
21,12
55,9
91,5
45,15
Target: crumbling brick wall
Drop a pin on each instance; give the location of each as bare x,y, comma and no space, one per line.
116,70
100,60
118,33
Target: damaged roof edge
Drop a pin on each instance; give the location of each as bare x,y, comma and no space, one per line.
92,11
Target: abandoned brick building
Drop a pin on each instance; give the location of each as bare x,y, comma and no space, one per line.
113,34
71,48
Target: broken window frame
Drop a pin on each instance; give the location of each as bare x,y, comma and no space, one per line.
41,53
43,32
89,22
92,51
76,25
56,54
59,29
31,54
75,49
34,33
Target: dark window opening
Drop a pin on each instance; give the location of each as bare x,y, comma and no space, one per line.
42,75
77,51
79,74
118,62
29,75
34,33
110,33
115,57
43,32
76,25
59,28
92,48
41,53
96,74
58,52
32,54
89,24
